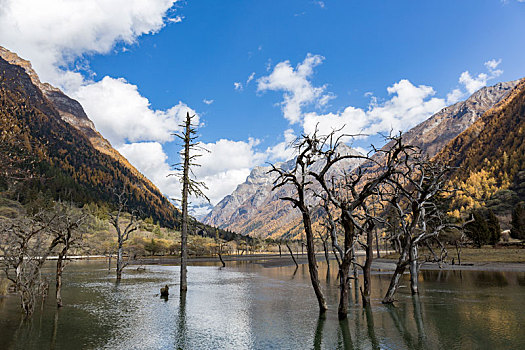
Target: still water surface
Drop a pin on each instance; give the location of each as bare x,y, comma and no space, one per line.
248,306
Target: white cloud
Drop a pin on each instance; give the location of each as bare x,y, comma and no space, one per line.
151,160
474,83
121,114
298,90
208,102
408,106
493,63
54,33
226,165
238,86
176,19
283,150
352,120
454,96
250,78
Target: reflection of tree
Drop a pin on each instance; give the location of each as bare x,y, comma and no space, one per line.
318,338
401,327
346,343
370,327
418,317
55,331
181,323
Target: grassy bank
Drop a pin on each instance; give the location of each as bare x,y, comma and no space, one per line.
483,254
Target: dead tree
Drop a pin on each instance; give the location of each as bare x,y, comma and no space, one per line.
414,199
115,218
299,180
325,238
190,187
291,254
25,246
68,233
348,194
218,242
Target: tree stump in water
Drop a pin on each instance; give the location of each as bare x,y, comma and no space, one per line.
164,291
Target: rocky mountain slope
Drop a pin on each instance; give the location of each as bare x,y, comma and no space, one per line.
253,209
438,130
73,159
489,157
71,112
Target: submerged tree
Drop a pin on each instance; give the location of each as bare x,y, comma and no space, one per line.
415,198
190,187
349,195
25,246
115,218
68,233
299,180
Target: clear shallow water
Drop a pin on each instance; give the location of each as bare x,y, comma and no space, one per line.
247,306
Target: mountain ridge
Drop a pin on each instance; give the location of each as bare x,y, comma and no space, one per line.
254,208
66,145
431,136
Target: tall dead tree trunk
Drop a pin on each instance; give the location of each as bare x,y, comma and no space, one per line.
396,277
344,268
59,271
414,268
189,187
377,243
185,190
367,266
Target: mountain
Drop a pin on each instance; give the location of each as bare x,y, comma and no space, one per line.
72,159
489,157
437,131
253,209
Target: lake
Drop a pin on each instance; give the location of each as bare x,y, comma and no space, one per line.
248,306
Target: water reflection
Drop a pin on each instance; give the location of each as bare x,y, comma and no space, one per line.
370,328
318,338
247,306
181,323
345,339
418,317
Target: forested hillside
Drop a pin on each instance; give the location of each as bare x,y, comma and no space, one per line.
490,157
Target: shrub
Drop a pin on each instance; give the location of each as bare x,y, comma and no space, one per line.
518,222
484,229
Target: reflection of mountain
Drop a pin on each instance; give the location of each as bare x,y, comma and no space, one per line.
253,209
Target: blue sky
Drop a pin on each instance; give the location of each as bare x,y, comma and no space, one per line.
130,63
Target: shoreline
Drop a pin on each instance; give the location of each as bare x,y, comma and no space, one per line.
379,264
